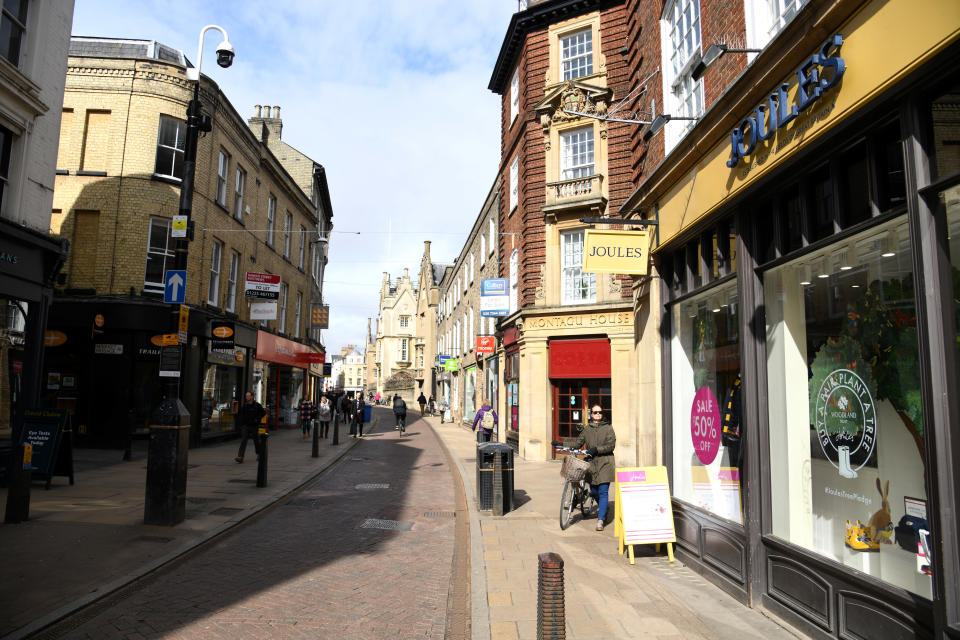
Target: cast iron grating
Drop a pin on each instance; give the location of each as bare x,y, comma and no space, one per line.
440,514
367,486
389,525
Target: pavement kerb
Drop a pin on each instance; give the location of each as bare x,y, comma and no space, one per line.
112,587
480,609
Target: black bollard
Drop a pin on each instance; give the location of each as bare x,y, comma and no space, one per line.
316,440
262,459
336,429
165,502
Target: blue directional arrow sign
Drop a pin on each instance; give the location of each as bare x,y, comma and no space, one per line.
174,286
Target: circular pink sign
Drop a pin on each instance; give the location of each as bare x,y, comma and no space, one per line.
705,425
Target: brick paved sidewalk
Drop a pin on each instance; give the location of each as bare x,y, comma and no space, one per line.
606,597
88,540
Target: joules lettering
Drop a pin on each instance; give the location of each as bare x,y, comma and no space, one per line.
615,252
820,72
8,257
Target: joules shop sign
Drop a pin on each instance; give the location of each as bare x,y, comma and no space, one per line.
817,74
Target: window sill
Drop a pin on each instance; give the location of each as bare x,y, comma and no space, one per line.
159,177
223,206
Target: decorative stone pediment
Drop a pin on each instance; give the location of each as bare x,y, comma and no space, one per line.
572,96
399,380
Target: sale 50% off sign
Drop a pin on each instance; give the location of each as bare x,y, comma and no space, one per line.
705,425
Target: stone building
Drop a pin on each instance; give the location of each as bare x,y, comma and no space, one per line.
117,190
425,342
472,377
396,334
33,58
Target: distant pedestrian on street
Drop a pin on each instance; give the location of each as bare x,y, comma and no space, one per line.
324,415
376,398
400,412
487,420
600,440
432,405
422,401
307,412
358,412
343,406
251,413
444,405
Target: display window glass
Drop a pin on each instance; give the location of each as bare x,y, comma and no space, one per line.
221,394
705,383
469,394
847,465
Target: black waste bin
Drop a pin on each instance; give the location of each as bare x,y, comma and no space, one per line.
486,452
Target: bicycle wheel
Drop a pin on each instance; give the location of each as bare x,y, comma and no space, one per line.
568,499
588,506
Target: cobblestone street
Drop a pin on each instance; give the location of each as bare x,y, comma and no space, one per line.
364,550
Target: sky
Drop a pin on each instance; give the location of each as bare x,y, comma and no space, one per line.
390,96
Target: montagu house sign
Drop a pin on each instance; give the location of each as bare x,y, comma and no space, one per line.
817,74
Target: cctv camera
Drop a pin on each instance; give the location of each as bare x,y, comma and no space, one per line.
225,54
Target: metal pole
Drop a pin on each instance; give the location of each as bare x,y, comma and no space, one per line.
336,427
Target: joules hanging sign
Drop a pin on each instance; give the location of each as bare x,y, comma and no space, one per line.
816,75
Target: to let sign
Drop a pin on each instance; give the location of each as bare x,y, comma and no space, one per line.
265,286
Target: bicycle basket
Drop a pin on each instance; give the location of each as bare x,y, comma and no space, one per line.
574,469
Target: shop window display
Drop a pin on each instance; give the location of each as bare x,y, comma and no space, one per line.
846,431
705,381
220,400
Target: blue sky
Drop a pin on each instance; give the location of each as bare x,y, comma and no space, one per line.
390,96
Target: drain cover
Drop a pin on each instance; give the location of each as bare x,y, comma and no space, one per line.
440,514
372,485
390,525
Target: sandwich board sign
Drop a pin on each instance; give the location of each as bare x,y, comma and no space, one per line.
644,514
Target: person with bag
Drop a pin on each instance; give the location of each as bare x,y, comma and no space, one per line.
251,413
400,412
487,419
600,440
324,415
358,411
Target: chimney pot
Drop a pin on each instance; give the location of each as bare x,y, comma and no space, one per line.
276,111
266,111
256,110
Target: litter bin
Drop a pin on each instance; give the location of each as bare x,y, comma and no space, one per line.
486,452
366,413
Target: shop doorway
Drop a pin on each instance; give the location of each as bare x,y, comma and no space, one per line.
571,403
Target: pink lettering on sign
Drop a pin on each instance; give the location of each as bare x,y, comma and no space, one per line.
631,476
732,475
705,425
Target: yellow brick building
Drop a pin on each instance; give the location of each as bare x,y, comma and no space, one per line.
259,206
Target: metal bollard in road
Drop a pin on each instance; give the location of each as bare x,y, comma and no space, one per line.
262,459
551,616
336,429
316,441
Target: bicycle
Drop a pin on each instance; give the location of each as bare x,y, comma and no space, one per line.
576,490
402,424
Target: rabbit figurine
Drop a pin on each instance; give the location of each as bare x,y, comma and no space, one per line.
881,524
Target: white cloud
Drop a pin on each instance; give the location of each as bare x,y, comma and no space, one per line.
389,95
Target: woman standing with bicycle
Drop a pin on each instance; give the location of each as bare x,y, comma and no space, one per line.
600,440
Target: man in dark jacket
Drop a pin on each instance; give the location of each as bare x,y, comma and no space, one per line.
400,412
251,413
422,401
358,410
600,440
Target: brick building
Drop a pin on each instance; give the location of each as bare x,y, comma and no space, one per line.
258,206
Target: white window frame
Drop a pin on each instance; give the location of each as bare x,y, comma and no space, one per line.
681,46
216,258
576,285
404,322
165,254
514,183
239,185
282,309
176,151
303,244
576,54
577,153
271,217
404,349
493,236
232,277
223,170
286,239
483,250
515,95
297,314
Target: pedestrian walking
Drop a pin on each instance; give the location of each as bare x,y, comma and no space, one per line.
400,412
432,405
600,440
324,415
343,406
485,422
376,398
422,401
251,413
358,412
443,410
307,411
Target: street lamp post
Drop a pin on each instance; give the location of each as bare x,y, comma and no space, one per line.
166,487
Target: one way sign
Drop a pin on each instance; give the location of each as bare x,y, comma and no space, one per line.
174,286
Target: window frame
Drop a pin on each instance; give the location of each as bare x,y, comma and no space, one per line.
216,263
282,308
515,95
233,276
238,189
271,218
574,270
223,170
303,243
167,253
18,22
569,143
288,231
176,152
581,70
514,183
297,318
